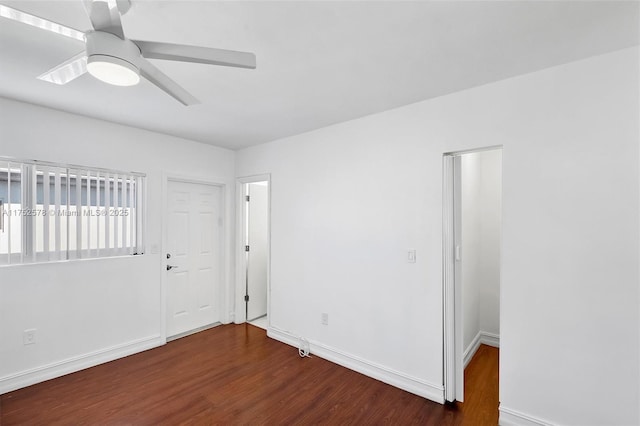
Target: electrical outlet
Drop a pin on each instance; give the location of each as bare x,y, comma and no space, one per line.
411,256
29,336
324,318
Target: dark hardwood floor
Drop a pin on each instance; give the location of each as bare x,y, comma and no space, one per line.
234,374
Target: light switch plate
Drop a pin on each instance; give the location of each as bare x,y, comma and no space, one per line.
324,318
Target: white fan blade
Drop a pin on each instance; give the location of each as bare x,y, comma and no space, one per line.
157,77
35,21
67,71
105,16
200,55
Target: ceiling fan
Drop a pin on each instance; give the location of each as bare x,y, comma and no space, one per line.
111,57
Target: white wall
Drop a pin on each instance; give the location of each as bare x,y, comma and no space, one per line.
91,310
481,189
350,199
491,237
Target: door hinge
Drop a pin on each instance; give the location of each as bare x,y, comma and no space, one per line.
246,248
247,197
246,297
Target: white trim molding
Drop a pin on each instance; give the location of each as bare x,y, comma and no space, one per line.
490,339
509,417
471,350
433,392
482,338
71,365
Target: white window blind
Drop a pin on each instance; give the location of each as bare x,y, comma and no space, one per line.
55,212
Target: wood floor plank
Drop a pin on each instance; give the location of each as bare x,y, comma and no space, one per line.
235,374
481,388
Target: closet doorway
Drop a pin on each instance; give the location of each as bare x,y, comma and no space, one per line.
472,254
255,245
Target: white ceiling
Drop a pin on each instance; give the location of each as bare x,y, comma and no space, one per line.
319,63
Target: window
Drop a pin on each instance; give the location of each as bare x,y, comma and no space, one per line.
54,212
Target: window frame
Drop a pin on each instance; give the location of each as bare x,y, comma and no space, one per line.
119,183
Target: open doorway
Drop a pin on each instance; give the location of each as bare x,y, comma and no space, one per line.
255,241
472,253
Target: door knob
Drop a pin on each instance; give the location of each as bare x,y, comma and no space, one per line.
170,267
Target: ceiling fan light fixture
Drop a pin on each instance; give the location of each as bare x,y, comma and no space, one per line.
112,70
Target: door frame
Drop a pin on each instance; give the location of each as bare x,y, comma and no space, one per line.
164,219
453,358
240,315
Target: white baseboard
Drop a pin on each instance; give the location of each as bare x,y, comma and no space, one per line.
482,338
471,350
71,365
490,339
509,417
433,392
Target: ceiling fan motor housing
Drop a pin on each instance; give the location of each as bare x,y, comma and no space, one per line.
104,48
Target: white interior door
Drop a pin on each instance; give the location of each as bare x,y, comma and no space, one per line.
457,236
257,240
452,256
194,256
